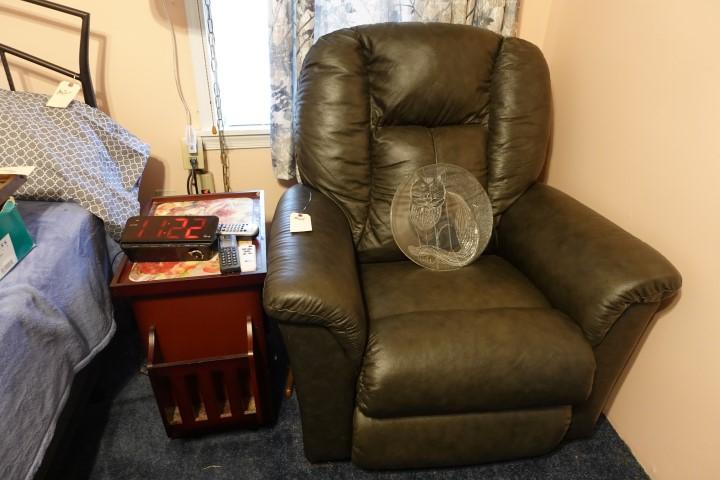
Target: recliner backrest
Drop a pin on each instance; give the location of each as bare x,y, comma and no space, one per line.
377,102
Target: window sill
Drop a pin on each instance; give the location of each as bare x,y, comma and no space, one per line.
237,139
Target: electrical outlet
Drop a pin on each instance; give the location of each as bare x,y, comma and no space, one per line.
206,182
187,156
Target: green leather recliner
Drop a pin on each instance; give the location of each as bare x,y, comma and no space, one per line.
401,367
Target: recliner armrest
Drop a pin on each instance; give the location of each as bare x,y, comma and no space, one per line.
585,265
312,277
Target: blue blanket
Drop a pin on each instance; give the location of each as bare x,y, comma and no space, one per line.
55,315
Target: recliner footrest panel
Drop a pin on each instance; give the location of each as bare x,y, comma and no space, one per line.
465,439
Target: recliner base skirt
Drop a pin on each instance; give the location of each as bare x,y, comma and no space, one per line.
459,439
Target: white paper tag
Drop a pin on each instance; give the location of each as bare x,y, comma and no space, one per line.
8,259
248,262
300,222
64,94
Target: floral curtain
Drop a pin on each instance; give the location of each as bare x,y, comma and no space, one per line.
296,24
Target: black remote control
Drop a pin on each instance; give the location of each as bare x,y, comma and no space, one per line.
229,255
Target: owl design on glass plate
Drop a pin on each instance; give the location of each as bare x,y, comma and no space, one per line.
447,217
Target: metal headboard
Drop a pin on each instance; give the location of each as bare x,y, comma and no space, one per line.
83,75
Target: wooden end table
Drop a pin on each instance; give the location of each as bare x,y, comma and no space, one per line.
204,336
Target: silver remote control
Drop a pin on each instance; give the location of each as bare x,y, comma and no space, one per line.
238,229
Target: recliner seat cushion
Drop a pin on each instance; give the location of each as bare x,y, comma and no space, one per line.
393,288
435,348
459,361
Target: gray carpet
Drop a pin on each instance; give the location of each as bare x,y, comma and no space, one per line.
123,438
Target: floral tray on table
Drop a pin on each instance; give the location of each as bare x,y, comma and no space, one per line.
228,210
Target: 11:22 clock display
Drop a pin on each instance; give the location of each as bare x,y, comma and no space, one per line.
170,229
169,238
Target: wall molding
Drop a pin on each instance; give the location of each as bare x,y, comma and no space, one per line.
237,140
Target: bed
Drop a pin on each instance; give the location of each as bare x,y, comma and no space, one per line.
56,314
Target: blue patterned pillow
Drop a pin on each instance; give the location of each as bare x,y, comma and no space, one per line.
79,153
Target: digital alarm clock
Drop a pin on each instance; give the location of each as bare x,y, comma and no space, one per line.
169,238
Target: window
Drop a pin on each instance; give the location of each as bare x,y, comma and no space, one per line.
243,69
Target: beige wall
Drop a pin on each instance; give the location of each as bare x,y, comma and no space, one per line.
534,15
131,60
637,113
636,116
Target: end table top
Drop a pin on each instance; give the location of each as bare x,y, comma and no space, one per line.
157,278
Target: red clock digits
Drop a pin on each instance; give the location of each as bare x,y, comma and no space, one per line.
161,228
142,229
170,229
201,224
174,232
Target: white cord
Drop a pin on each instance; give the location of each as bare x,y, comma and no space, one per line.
203,28
178,86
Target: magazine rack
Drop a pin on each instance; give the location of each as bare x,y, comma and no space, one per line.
203,332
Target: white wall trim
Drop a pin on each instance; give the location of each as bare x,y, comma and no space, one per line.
196,38
235,140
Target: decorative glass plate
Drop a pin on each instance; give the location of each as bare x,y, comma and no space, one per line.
441,217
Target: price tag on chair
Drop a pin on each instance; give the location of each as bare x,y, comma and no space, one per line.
300,222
